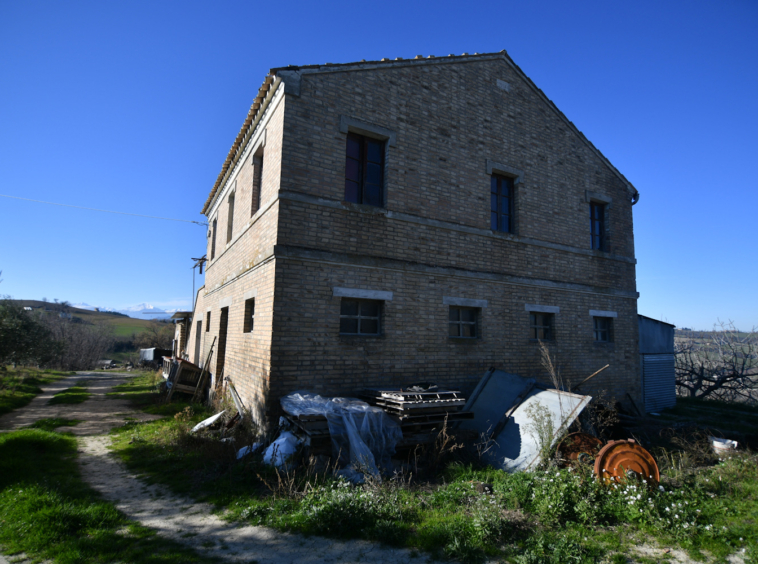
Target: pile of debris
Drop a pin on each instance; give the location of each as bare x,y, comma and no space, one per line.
421,409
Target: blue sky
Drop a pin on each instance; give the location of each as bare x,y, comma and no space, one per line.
132,106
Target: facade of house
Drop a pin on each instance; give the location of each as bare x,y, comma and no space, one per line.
391,222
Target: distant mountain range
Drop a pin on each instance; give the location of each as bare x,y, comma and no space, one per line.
139,311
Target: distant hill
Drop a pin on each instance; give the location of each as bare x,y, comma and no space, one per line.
123,326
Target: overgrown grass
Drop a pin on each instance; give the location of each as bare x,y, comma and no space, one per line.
557,515
142,392
20,385
75,394
48,512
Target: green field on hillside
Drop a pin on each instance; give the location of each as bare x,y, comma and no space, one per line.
123,326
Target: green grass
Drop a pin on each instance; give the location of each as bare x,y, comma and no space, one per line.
142,392
53,423
539,517
19,386
48,512
75,394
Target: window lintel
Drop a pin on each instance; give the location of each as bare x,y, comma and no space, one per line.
536,308
602,313
352,125
463,302
362,294
494,167
590,196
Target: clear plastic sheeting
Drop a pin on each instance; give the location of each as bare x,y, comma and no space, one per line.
363,437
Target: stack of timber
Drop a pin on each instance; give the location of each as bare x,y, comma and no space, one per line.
421,413
315,426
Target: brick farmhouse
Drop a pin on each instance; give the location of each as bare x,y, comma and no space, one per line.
391,222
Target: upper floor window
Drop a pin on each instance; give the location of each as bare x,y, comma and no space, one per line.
364,170
255,203
230,219
360,317
501,203
213,238
597,225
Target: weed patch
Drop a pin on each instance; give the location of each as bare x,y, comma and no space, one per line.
19,386
75,394
53,423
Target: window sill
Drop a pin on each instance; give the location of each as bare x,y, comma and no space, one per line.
364,208
351,338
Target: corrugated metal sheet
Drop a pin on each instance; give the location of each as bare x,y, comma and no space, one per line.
659,381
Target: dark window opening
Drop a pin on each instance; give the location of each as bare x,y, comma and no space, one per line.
207,321
597,225
257,182
541,326
603,329
501,203
249,315
364,170
360,317
230,219
213,239
463,322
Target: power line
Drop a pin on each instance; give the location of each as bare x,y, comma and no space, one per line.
105,211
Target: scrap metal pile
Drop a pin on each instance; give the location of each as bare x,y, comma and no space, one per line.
503,411
420,409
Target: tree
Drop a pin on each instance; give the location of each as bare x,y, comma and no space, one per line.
722,365
157,334
23,337
83,344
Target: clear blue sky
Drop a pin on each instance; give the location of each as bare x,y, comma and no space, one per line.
132,106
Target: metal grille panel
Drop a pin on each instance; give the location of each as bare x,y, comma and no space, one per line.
659,381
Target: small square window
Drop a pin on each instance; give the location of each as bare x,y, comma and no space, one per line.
541,326
463,322
207,322
360,317
364,170
249,316
603,329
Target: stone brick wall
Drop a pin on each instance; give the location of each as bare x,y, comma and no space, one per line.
432,239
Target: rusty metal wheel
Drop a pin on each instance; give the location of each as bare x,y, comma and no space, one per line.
579,447
619,460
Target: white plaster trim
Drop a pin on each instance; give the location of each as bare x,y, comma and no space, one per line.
541,308
597,197
499,168
226,302
249,295
355,125
362,294
601,313
208,309
463,302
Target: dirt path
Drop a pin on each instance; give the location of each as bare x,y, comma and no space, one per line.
174,517
98,415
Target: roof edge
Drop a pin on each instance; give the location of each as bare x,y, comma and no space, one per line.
271,82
